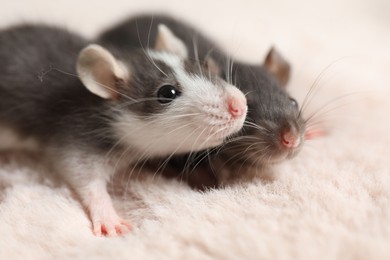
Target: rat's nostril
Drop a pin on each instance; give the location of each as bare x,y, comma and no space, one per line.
290,139
236,107
285,141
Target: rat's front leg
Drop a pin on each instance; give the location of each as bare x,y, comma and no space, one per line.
88,175
105,219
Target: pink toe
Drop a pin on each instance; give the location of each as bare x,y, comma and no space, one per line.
97,229
125,223
110,230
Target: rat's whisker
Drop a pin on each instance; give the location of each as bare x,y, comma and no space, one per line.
51,68
147,54
175,151
315,86
332,102
195,44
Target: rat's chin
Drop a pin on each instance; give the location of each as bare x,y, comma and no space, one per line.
272,158
217,136
282,156
211,142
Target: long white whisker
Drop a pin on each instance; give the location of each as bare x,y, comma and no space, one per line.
315,86
146,53
77,76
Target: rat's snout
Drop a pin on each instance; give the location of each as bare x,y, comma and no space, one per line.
236,103
290,138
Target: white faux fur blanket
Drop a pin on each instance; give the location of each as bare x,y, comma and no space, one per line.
330,202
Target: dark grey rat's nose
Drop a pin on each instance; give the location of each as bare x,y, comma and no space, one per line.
290,138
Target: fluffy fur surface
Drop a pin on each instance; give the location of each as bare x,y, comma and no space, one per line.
331,202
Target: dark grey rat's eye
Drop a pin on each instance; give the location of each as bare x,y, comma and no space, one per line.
294,102
167,93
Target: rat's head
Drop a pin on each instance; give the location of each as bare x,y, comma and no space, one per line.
163,102
274,129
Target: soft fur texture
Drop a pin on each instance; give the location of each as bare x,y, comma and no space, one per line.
331,202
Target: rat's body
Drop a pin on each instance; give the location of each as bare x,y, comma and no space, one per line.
124,106
274,128
47,99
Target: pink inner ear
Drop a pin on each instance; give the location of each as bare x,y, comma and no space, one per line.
278,66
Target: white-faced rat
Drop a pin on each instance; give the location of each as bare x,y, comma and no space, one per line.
274,129
125,105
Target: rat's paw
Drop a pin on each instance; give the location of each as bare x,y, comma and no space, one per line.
104,218
106,221
111,227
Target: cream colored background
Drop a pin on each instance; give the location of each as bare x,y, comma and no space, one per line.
331,202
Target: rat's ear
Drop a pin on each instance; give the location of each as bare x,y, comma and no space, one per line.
278,66
167,41
212,66
100,71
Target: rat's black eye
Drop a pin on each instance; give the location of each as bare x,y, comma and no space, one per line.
167,93
294,102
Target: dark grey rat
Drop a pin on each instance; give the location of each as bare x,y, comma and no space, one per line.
274,128
94,110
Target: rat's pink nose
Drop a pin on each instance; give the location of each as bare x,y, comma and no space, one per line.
237,106
290,139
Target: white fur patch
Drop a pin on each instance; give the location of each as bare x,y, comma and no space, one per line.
171,60
198,119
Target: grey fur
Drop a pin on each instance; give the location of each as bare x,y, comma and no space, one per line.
38,100
41,95
269,105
